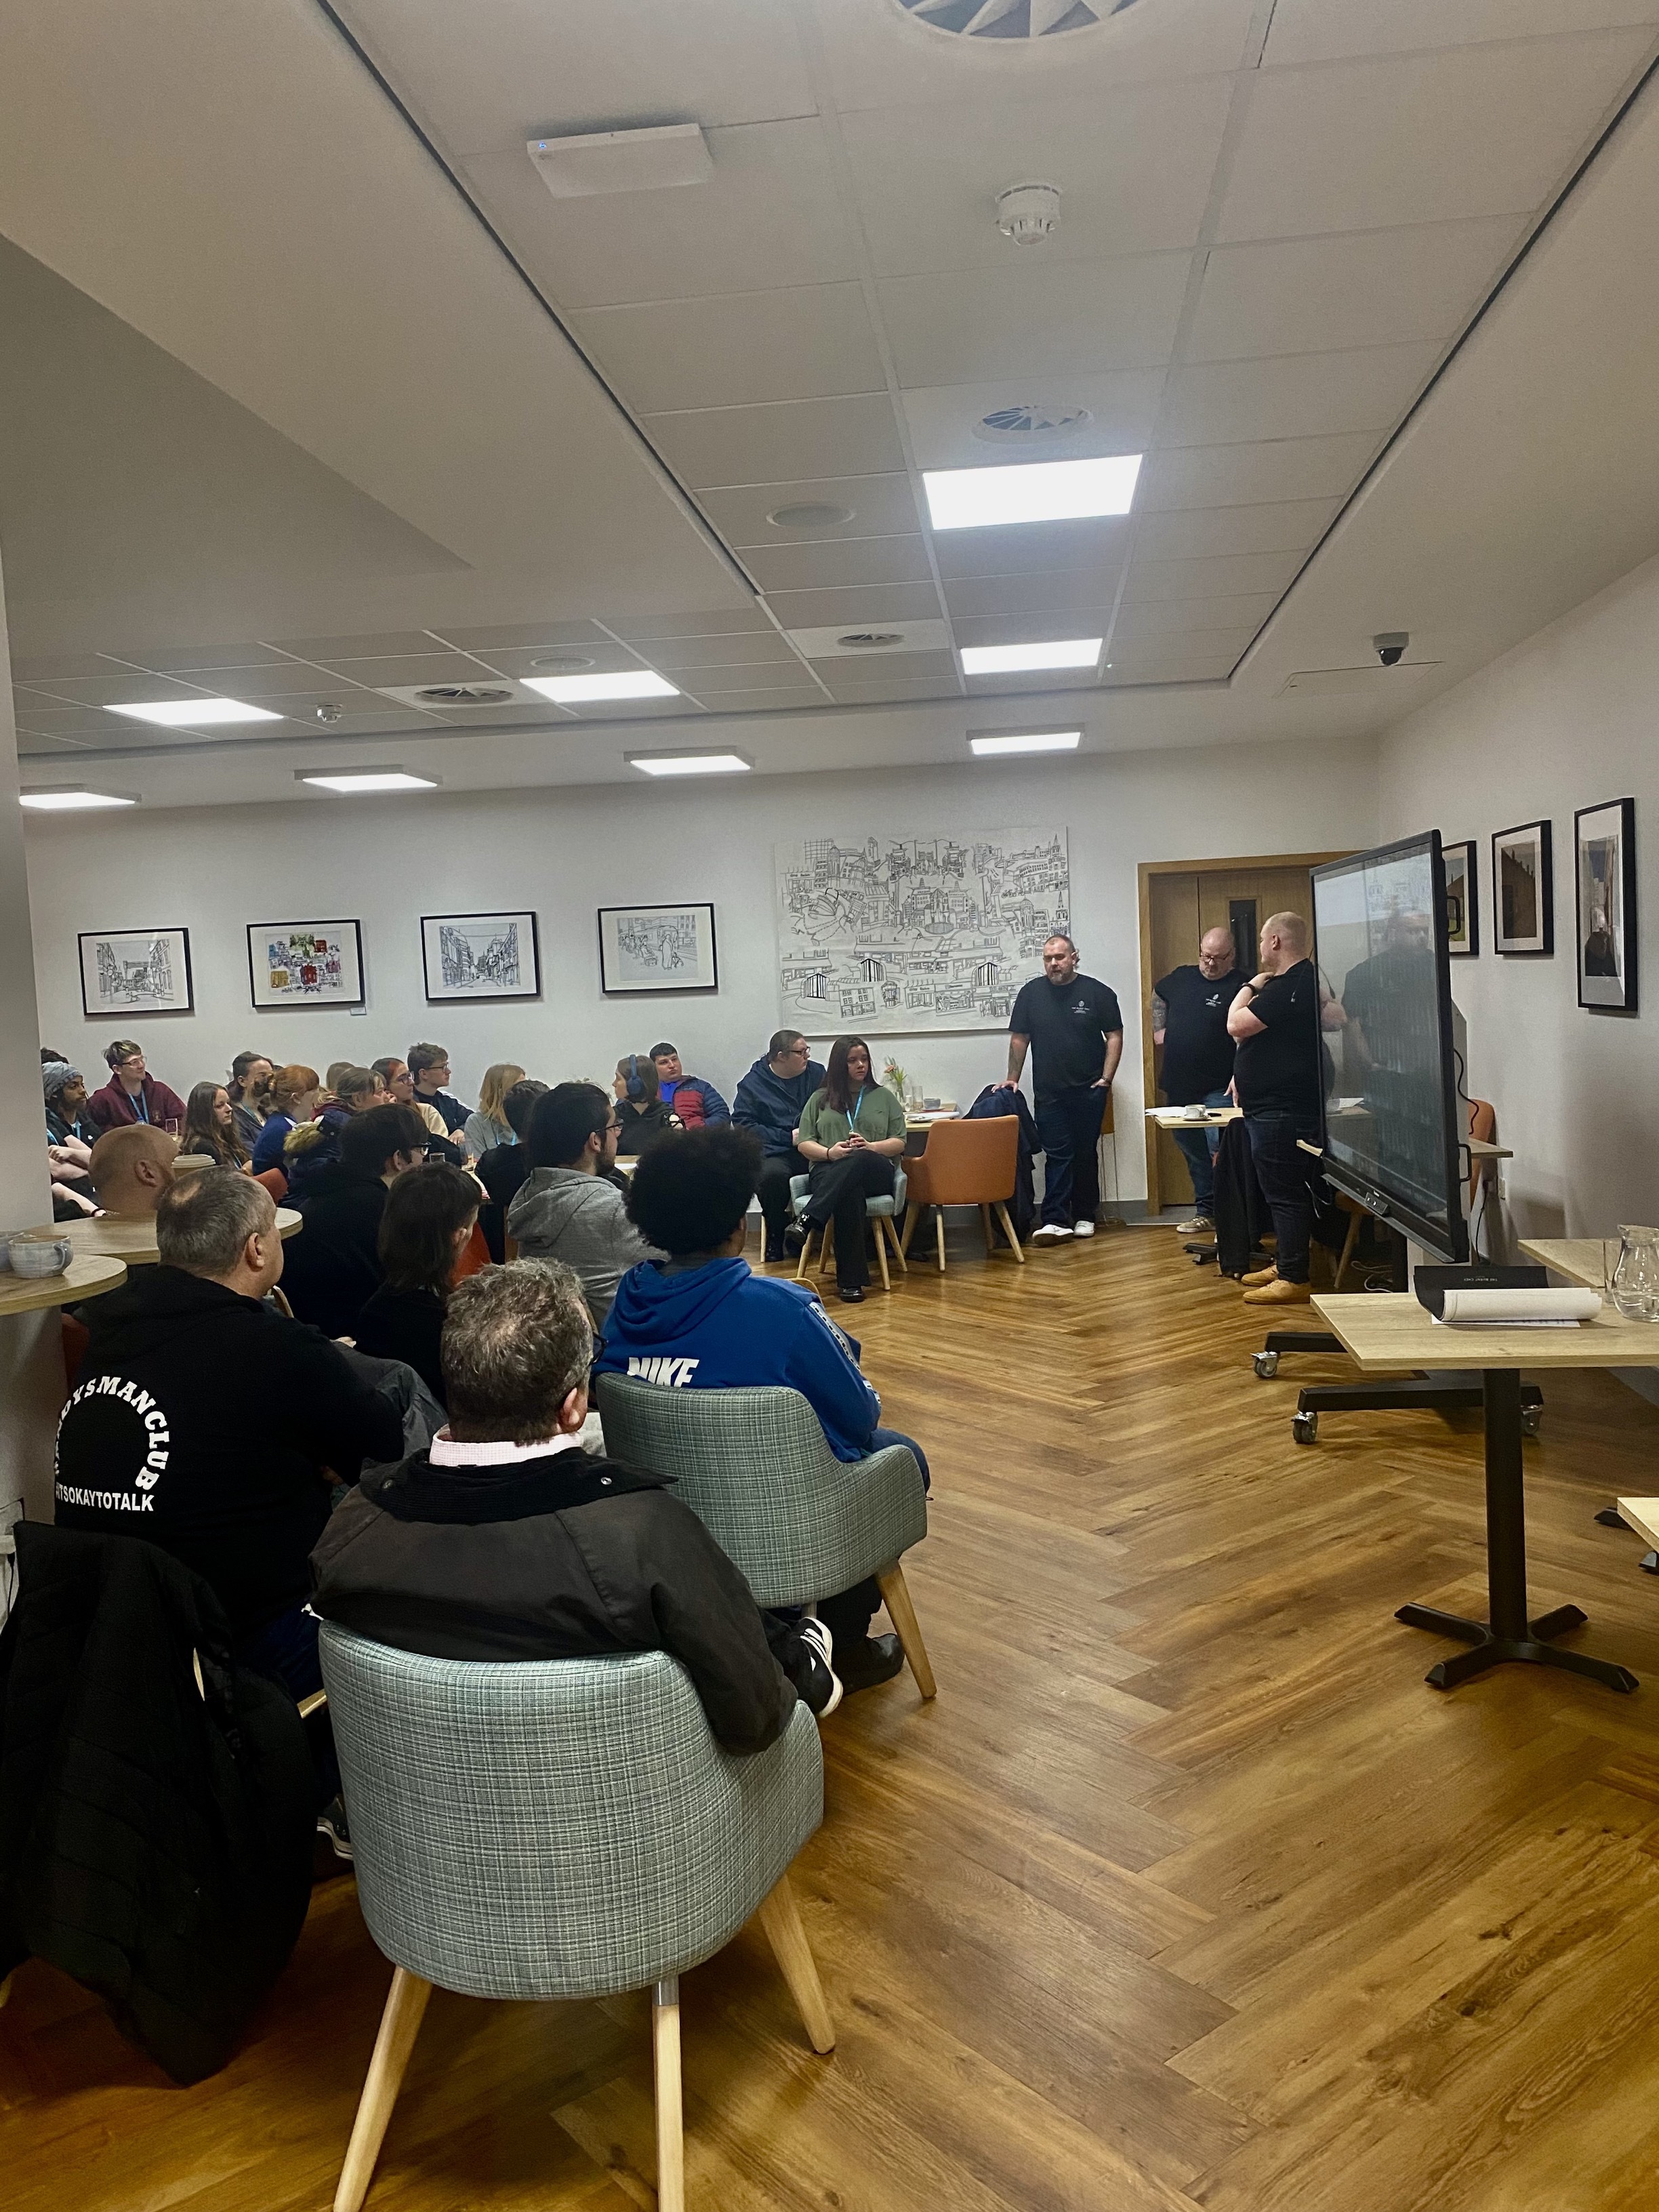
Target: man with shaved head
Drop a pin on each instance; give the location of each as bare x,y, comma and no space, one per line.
1189,1021
1275,1020
130,1167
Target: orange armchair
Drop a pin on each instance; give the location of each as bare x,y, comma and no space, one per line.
966,1163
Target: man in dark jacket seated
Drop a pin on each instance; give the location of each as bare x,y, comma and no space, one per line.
205,1421
769,1101
505,1540
334,1269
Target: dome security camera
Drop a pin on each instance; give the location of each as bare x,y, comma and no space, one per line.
1391,645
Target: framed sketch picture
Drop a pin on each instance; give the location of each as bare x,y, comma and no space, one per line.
480,956
1523,890
136,971
1462,898
649,949
305,964
1604,876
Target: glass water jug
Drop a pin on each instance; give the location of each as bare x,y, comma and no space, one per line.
1635,1273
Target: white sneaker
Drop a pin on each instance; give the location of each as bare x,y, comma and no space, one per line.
1050,1232
1200,1226
1083,1229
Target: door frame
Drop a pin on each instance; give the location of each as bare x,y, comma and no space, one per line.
1216,863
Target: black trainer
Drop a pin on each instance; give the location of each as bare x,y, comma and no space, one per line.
878,1659
794,1239
811,1652
332,1823
773,1251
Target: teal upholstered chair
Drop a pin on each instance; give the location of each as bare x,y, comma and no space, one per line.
883,1212
558,1828
799,1523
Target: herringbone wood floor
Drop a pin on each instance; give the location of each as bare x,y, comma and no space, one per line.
1186,1892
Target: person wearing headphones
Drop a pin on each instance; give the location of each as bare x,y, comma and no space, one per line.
640,1109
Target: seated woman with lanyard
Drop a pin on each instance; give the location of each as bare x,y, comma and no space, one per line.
852,1132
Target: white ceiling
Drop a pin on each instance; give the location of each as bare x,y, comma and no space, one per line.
281,391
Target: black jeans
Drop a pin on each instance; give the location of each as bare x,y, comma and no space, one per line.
839,1189
773,1191
1288,1177
1068,1130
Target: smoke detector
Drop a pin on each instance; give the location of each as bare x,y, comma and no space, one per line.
1030,423
1013,21
809,514
1029,213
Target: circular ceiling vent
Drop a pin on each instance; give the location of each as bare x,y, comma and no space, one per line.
1014,20
810,514
870,641
466,694
1031,423
569,662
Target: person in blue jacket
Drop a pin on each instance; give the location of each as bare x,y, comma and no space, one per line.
702,1320
698,1105
769,1101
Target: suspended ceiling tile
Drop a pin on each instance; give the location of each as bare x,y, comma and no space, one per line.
879,506
59,668
781,444
721,683
1320,294
32,745
56,721
1484,130
1034,319
1018,549
1221,577
1033,628
511,716
886,668
747,649
851,561
1148,620
896,691
1281,526
1274,469
256,685
512,636
783,701
722,623
1035,680
1051,590
1122,415
813,341
413,668
1205,658
1308,395
377,645
109,690
1134,167
594,656
1333,30
855,608
634,710
188,660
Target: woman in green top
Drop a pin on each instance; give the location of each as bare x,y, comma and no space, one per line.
852,1132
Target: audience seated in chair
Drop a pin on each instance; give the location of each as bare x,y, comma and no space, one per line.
642,1115
852,1134
486,1127
211,1130
130,1167
311,1146
249,1091
131,1094
292,1098
65,1093
702,1319
770,1100
428,1068
424,1230
697,1103
204,1421
400,1091
334,1269
505,1540
505,1169
568,1209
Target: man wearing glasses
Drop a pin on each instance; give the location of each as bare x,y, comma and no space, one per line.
429,1064
769,1101
131,1095
568,1208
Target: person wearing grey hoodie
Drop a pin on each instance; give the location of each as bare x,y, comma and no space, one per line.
568,1208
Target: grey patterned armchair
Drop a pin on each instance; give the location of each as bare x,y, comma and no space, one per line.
799,1523
558,1828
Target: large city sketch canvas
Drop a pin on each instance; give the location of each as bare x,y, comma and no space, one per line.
892,933
135,971
479,956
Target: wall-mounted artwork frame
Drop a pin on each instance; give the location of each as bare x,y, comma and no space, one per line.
1462,898
646,950
1604,906
1523,890
305,964
135,971
469,957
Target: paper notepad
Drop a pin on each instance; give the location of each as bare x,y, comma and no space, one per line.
1546,1309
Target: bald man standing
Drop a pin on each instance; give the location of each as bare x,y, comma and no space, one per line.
1189,1021
1276,1022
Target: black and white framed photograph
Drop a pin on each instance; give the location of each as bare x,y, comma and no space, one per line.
1462,899
1523,890
652,949
136,971
1604,876
480,956
305,964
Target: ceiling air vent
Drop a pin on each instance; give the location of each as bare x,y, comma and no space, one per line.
1031,423
1014,20
449,698
870,641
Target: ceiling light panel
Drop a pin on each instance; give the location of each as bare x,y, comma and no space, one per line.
1033,491
69,799
690,764
365,779
624,684
1026,741
1019,660
191,713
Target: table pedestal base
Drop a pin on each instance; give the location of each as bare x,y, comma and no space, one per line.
1490,1650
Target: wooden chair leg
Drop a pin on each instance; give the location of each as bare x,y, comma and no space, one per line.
1008,1232
938,1231
5,1986
881,1253
898,1249
912,1215
896,1595
826,1248
780,1921
666,2071
400,2023
985,1223
805,1254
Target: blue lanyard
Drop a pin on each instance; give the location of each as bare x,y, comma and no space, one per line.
853,1118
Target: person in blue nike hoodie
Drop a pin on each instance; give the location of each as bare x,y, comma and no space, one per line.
702,1319
769,1101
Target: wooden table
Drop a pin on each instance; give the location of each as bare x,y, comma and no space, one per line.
1176,1117
1396,1331
131,1238
1581,1259
87,1275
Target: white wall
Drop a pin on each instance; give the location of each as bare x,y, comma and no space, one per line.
1567,719
566,853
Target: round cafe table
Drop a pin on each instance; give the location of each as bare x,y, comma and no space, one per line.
131,1238
87,1275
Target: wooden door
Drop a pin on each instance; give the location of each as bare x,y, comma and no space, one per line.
1179,901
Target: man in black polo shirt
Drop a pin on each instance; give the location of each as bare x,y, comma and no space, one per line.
1074,1028
1189,1021
1276,1022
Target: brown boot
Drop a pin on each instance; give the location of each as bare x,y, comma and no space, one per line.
1279,1293
1267,1274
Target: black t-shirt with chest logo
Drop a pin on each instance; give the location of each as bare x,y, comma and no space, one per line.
1068,1024
1278,1070
1198,1053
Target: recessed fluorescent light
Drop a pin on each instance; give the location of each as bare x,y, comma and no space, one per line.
1014,659
620,684
69,799
1032,741
193,714
364,779
690,763
1030,491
